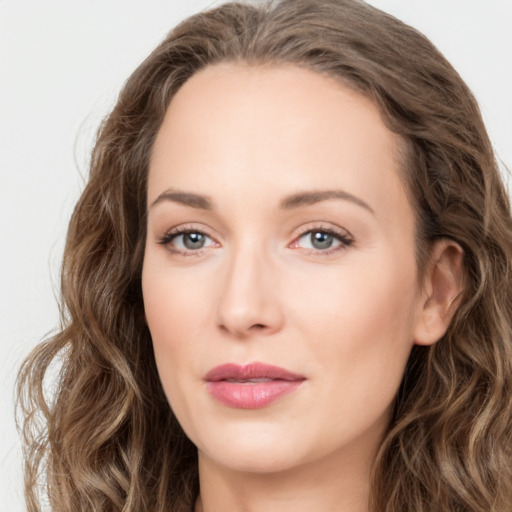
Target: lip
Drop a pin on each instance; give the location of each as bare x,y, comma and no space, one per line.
250,386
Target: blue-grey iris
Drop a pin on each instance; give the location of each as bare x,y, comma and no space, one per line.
321,240
193,240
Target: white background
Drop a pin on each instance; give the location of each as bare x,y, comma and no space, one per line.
61,67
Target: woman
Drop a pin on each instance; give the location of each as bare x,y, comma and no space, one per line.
287,282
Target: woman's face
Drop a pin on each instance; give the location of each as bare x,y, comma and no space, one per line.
279,235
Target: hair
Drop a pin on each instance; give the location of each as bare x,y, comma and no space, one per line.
105,439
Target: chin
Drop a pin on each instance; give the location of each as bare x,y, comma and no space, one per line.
260,461
252,452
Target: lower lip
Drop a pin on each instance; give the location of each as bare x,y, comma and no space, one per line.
251,395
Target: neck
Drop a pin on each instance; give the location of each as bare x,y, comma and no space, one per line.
336,483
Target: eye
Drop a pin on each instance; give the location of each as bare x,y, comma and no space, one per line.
323,240
192,240
319,240
186,241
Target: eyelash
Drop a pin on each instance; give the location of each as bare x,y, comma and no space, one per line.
344,238
168,237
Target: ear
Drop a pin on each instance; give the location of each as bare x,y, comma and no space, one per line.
442,289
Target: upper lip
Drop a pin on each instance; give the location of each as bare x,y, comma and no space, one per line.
250,371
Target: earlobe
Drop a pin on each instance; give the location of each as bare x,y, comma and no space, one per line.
443,287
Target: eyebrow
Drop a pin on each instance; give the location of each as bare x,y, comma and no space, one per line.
316,196
288,203
187,198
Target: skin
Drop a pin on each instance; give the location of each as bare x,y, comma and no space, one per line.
344,317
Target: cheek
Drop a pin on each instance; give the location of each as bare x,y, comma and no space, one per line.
373,296
174,308
360,327
173,299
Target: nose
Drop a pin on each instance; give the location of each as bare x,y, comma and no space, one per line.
249,300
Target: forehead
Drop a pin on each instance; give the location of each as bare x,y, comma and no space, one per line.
237,129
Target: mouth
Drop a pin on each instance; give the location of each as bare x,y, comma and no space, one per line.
251,386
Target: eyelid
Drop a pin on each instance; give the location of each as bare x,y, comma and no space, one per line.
170,235
342,235
328,228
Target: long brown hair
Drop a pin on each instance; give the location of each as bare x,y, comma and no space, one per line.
106,439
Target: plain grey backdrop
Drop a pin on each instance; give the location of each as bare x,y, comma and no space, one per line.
62,64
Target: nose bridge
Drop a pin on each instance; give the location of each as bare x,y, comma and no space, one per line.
248,300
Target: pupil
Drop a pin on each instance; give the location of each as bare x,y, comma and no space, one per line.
321,240
193,240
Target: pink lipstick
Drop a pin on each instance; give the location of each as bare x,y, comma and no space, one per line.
250,386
